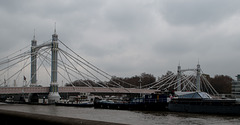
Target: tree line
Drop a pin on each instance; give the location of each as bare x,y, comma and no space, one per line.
221,83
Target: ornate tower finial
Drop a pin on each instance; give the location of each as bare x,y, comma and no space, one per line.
55,28
34,34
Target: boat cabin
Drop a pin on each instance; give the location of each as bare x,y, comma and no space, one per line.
192,95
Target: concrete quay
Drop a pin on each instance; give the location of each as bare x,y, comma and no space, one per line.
22,118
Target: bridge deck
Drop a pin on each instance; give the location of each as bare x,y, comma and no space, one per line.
19,90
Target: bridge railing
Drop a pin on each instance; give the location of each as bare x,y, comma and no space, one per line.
21,90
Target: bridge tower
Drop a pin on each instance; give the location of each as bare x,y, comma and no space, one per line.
34,62
53,90
179,75
198,81
198,75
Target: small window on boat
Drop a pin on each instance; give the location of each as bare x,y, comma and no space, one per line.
196,95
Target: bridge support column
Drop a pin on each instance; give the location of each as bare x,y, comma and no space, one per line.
53,95
53,91
198,81
34,62
179,74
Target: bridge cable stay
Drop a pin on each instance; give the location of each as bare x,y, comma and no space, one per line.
205,85
82,66
38,55
42,54
162,83
45,66
22,66
84,59
172,82
78,72
209,85
18,71
49,63
14,60
10,66
87,83
184,79
66,70
189,84
62,63
77,61
9,60
156,83
168,83
90,63
15,53
64,54
161,80
69,68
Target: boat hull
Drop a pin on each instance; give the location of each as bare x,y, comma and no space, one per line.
207,107
74,105
131,106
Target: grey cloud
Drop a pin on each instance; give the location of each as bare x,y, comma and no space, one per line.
130,37
188,12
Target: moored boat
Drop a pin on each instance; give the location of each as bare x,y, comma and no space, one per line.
148,102
74,104
201,102
77,101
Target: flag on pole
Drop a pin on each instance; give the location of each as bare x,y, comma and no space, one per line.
24,78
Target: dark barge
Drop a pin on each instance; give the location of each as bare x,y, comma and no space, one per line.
201,102
148,102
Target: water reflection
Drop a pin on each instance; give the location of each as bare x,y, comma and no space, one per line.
127,117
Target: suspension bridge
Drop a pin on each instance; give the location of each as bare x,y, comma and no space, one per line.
53,59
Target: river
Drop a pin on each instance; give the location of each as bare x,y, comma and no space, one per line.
127,117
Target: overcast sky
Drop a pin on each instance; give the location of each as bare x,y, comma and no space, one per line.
129,37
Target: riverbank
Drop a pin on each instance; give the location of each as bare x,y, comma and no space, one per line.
123,116
15,117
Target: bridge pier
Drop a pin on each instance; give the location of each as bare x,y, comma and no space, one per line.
53,95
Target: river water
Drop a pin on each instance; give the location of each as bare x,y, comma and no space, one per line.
127,117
